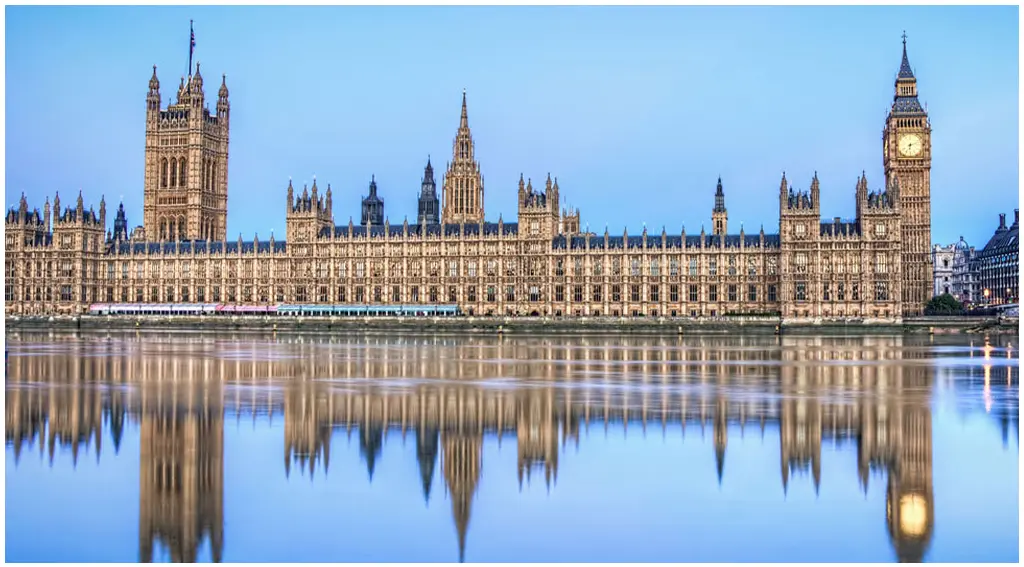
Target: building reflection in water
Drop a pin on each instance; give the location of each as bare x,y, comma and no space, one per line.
451,393
181,473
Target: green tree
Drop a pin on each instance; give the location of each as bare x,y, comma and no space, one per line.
944,304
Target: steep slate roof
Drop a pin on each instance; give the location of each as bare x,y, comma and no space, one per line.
396,230
562,242
841,228
197,247
906,105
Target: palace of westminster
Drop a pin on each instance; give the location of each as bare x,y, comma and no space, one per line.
874,267
181,397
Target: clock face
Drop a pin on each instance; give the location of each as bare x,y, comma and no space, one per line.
910,145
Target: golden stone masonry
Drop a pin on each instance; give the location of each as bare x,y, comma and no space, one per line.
875,267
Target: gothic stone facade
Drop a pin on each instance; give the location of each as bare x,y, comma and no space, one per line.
869,267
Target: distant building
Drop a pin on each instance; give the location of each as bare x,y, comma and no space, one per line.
942,274
965,273
956,271
998,272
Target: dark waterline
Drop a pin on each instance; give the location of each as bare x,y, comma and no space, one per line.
233,447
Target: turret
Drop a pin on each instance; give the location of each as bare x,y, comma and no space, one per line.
719,215
815,191
783,193
120,224
428,208
223,107
182,92
373,206
554,198
196,84
153,97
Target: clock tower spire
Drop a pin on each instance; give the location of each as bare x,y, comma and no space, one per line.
907,155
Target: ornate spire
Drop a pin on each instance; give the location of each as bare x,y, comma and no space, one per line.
154,83
905,71
463,183
719,197
464,120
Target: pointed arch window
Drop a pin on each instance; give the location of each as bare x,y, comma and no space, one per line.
163,173
181,176
174,172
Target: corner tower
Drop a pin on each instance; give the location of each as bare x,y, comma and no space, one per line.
907,155
185,186
463,184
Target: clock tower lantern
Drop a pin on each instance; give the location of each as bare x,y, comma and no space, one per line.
907,157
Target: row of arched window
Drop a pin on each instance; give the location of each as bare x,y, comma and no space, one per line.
210,172
174,173
910,123
464,196
173,228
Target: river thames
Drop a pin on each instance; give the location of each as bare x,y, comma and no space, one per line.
162,446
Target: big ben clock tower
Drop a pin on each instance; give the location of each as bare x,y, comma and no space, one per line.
907,158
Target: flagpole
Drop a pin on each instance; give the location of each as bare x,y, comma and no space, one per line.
191,46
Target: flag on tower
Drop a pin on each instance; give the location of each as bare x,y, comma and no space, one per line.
191,46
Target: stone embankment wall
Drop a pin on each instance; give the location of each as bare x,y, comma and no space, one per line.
524,325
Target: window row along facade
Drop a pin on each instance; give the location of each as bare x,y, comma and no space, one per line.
868,267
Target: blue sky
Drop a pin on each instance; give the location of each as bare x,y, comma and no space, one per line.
637,111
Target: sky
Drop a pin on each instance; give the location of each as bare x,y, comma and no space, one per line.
636,111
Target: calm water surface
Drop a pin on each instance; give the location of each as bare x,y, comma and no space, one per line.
199,447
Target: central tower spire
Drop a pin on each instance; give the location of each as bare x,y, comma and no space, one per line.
463,184
464,121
